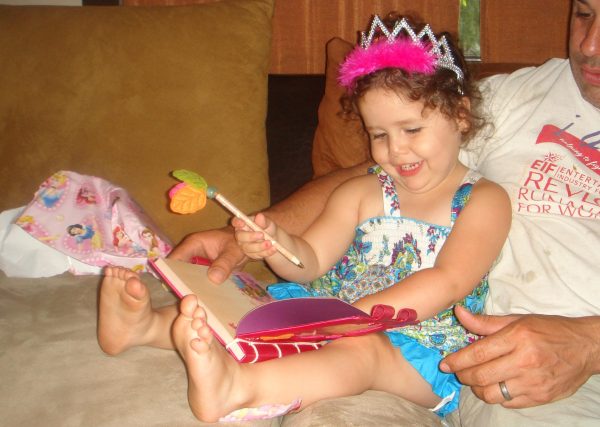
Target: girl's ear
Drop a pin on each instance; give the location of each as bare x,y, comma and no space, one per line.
463,123
466,103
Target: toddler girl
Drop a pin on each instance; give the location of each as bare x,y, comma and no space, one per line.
420,231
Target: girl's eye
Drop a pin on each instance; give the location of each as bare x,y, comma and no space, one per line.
377,136
413,130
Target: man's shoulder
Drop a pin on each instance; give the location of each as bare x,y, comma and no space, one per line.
526,86
548,71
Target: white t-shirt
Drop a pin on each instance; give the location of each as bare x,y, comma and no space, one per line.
545,153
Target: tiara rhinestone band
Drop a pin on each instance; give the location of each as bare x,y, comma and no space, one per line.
421,52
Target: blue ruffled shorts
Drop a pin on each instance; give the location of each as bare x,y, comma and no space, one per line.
426,361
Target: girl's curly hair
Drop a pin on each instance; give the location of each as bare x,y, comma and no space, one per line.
441,90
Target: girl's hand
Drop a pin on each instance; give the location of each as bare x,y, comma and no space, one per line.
253,243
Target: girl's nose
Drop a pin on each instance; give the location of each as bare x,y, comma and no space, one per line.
398,146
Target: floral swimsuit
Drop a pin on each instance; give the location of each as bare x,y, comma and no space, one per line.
385,250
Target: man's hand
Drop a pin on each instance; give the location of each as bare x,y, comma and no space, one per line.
218,245
540,358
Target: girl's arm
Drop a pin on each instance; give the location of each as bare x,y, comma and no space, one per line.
323,243
469,252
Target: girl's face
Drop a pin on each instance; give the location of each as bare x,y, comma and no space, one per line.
418,149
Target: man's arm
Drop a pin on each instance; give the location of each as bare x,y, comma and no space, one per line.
300,209
295,214
540,358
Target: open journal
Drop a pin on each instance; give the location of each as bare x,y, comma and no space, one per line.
254,327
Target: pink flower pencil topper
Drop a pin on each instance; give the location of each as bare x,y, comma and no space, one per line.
189,196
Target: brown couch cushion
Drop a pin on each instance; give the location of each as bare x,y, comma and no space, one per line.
338,142
130,94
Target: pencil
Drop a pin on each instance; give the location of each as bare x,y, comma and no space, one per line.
212,193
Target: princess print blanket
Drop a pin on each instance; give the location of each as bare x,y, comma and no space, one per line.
90,220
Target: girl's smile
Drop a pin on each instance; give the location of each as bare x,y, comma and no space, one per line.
409,169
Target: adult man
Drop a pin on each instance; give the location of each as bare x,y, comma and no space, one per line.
543,151
548,115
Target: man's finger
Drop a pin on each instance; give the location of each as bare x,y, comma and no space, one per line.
482,324
229,259
491,372
186,249
493,394
494,344
480,352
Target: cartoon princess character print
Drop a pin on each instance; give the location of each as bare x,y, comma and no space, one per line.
121,241
153,245
52,191
85,196
83,237
32,227
123,244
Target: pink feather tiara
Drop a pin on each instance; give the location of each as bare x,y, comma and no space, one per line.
414,53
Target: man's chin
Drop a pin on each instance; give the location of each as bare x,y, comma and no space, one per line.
592,95
588,83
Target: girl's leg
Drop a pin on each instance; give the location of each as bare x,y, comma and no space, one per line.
126,317
218,385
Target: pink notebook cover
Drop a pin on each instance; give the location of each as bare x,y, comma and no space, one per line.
317,319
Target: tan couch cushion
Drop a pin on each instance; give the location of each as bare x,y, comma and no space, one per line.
131,93
54,373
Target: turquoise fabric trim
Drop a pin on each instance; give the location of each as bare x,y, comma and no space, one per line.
289,290
426,361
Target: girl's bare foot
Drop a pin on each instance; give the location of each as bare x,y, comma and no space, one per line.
215,379
125,316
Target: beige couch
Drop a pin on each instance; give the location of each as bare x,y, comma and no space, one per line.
129,94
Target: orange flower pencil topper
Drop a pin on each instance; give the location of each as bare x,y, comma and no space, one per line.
190,195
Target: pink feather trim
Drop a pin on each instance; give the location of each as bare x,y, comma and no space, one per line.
401,53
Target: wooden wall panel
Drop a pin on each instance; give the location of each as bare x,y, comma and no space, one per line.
301,28
524,31
163,2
